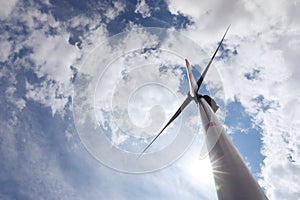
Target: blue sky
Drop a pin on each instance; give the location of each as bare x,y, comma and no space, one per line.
47,46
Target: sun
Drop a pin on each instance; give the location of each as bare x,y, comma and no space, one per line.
200,170
200,175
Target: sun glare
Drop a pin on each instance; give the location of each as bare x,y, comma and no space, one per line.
200,170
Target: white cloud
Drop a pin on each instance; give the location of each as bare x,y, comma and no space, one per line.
53,55
5,47
142,8
50,94
112,12
19,102
6,8
266,37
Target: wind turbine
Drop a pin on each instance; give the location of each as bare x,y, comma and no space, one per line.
233,180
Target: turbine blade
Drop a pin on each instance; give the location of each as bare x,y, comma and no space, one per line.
200,80
192,81
177,113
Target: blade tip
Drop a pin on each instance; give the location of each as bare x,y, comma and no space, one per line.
141,154
186,62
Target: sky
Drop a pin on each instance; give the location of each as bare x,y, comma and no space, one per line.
82,84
